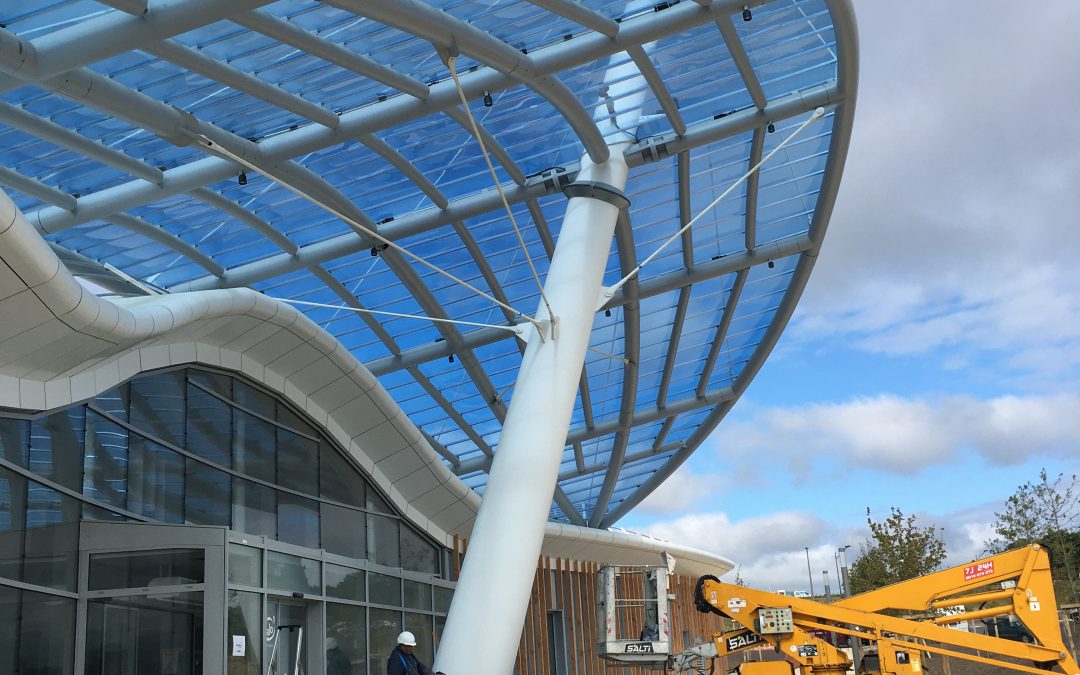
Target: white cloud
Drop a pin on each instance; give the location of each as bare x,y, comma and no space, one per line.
682,491
770,552
906,435
955,227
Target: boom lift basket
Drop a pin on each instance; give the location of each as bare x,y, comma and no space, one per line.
634,623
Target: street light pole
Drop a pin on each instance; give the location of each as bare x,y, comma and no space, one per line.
856,645
809,574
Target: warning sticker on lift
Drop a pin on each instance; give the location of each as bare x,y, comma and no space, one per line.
983,569
807,650
639,648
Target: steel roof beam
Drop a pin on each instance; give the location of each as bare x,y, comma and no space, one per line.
398,110
37,189
631,321
630,459
399,162
490,142
567,508
742,61
721,330
480,260
757,147
167,239
114,33
197,62
848,76
391,344
470,206
659,89
245,216
577,435
443,451
331,52
581,15
452,413
650,287
433,308
417,18
30,123
682,170
673,346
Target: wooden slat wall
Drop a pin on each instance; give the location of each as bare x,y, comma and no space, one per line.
570,586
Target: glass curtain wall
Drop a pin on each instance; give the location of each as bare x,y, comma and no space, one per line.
191,446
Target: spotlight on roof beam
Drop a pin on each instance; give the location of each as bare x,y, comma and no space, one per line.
242,178
487,99
771,127
746,14
771,264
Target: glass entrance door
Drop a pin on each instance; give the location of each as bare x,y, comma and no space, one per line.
284,637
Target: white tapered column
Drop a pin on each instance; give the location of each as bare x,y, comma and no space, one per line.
484,626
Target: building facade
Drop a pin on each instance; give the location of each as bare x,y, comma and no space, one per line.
174,522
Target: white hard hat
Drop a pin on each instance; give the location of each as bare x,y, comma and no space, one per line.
406,638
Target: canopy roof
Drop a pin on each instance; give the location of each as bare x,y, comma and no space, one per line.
106,109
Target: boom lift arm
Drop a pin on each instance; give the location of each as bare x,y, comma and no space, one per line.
785,622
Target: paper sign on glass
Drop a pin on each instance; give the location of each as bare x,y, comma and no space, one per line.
239,645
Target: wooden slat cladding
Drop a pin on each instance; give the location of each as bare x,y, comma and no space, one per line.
570,587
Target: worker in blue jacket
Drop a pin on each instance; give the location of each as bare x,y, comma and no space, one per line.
402,661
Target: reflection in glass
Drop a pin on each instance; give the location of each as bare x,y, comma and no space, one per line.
209,426
9,622
344,582
140,569
298,520
286,572
343,531
253,508
384,589
345,648
207,495
339,480
157,405
417,595
155,481
245,621
46,634
56,447
420,626
383,628
417,553
245,565
383,540
443,596
145,634
298,462
12,523
52,537
254,442
13,440
105,477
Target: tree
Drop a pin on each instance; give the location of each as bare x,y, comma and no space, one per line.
898,549
1047,512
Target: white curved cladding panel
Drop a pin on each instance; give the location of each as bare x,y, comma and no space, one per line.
60,344
620,547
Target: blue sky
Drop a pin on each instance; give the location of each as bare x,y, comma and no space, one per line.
933,363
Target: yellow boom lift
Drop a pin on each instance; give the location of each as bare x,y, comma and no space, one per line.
786,623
